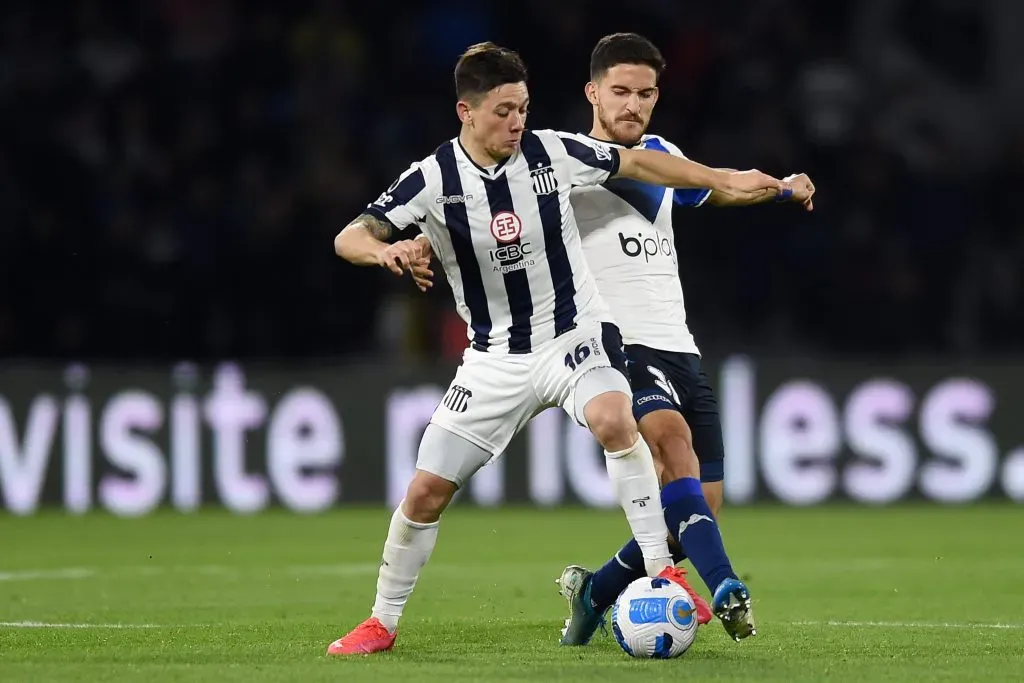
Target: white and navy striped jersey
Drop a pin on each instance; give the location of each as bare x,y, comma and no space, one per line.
506,236
626,228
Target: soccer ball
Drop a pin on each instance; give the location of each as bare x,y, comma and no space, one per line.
654,618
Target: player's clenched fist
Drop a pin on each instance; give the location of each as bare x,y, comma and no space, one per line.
803,189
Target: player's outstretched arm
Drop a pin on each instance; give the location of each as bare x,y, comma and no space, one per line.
363,243
658,168
799,189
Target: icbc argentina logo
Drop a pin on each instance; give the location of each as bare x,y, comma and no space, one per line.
506,227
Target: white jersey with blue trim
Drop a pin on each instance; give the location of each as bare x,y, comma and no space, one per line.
626,228
506,236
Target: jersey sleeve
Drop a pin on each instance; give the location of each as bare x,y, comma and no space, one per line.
691,196
406,201
683,197
589,161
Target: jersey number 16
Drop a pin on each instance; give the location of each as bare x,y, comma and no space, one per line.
577,357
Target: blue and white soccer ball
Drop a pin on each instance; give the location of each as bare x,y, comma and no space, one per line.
654,618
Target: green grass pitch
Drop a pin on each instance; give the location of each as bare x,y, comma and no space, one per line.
840,593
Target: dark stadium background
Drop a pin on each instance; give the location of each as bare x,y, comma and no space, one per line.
172,172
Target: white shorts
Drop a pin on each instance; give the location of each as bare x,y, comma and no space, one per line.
493,396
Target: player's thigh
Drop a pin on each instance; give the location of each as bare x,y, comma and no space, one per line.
488,401
449,456
661,388
581,365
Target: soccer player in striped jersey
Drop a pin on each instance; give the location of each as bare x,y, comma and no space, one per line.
493,205
627,235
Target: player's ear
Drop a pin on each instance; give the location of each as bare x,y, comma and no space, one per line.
464,112
591,90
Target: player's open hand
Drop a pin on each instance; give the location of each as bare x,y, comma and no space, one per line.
747,186
803,189
399,257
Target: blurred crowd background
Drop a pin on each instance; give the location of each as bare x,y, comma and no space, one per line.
173,172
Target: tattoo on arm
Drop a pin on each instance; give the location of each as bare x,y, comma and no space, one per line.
379,229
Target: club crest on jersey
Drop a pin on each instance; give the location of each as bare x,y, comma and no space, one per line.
457,398
544,180
506,227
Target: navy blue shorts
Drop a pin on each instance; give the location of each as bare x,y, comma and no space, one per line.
669,380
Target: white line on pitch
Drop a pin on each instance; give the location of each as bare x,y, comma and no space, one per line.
42,624
34,574
296,571
907,624
353,569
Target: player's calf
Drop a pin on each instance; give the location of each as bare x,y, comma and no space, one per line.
407,548
412,536
688,516
671,445
609,416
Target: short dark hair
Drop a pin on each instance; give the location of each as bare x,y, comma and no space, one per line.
485,66
624,48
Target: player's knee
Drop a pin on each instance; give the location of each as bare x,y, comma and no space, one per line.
427,497
611,421
673,450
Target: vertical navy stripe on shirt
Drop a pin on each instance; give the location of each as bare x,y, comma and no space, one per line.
554,245
457,222
517,283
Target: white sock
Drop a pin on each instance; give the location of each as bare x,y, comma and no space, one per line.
406,550
635,483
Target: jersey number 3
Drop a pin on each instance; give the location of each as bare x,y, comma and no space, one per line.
664,383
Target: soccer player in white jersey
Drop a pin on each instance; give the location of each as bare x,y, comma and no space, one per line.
627,234
493,205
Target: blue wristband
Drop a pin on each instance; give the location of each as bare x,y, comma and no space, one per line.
784,195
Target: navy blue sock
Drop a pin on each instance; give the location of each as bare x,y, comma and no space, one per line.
626,567
689,517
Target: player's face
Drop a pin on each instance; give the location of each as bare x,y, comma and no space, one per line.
624,100
497,121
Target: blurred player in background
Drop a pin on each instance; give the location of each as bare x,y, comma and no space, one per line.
494,206
627,232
